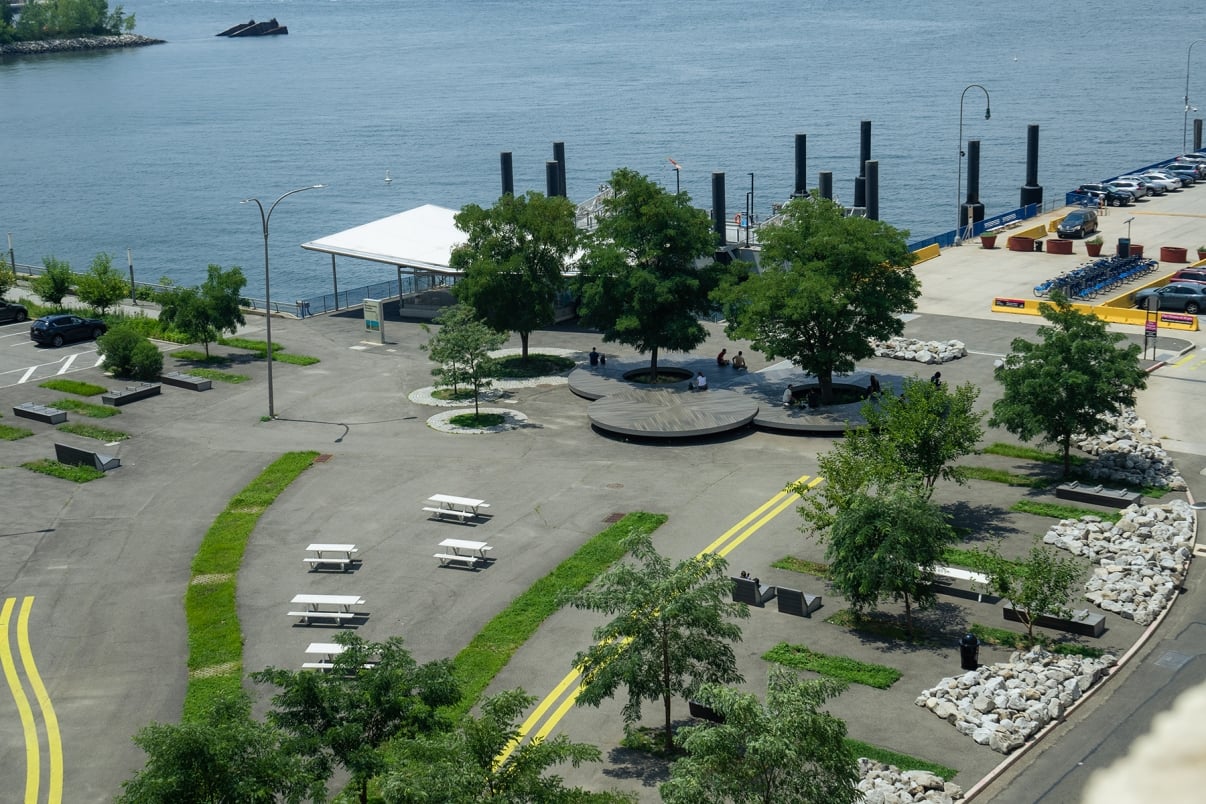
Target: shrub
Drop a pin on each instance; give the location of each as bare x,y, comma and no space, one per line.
146,361
128,354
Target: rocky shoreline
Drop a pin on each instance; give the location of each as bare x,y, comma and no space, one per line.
78,45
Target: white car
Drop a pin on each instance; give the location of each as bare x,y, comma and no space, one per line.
1163,181
1151,189
1164,174
1136,189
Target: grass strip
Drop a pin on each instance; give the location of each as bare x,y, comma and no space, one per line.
217,376
1031,454
197,356
1056,511
880,625
215,640
493,646
279,355
74,387
1003,637
294,360
477,420
1001,476
902,761
92,431
13,433
843,668
76,474
85,408
976,560
793,564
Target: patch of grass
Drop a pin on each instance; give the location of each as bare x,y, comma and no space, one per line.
450,395
650,740
1031,454
492,648
1003,637
972,559
902,761
73,387
1056,511
794,564
1008,478
279,355
477,420
92,431
294,360
13,433
880,625
840,667
514,367
215,640
197,356
85,408
217,376
76,474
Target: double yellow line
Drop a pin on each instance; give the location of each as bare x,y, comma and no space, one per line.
724,544
33,749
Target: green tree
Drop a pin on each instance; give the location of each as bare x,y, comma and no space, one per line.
462,348
8,278
54,282
514,259
885,547
648,268
670,631
227,757
829,285
55,19
785,750
126,353
1042,584
203,313
462,765
102,285
1065,385
374,693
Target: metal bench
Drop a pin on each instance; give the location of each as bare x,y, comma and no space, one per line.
179,379
793,601
1081,622
1113,498
40,413
751,592
74,456
338,616
131,393
447,559
453,512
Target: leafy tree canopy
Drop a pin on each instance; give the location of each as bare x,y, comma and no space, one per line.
54,283
514,259
648,268
829,285
57,19
462,349
102,285
1065,384
785,750
1041,584
203,313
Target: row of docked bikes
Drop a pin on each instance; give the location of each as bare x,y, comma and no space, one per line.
1102,275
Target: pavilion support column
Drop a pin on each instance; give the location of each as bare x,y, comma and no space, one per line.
335,281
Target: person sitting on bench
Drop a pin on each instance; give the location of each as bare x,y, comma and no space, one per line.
739,361
721,360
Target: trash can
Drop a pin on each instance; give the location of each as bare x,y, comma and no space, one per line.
1124,247
1038,245
969,652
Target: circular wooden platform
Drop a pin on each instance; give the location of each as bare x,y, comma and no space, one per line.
671,414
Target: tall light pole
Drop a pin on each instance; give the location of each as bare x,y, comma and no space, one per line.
959,181
264,218
1185,125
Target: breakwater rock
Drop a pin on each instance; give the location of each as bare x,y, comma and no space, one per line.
1129,453
1004,705
888,784
1138,563
79,44
919,351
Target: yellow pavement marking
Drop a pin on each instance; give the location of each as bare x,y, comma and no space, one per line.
1183,361
737,534
33,771
54,792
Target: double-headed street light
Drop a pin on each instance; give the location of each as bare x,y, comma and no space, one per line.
1185,124
959,181
264,218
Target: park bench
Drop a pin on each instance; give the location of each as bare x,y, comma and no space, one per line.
948,574
452,512
1082,621
40,413
751,591
179,379
448,559
131,393
74,456
1098,495
793,601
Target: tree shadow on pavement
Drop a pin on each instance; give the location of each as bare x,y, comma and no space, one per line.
980,522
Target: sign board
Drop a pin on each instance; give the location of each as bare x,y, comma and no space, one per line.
373,322
1150,327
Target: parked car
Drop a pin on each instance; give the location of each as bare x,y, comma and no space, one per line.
1078,223
1152,187
12,312
1136,189
1186,179
1187,297
1197,275
1195,169
58,329
1162,180
1112,197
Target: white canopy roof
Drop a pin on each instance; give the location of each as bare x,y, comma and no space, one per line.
422,237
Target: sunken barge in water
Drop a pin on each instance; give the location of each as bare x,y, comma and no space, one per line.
253,28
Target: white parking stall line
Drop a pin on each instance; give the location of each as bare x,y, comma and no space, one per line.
99,359
28,373
67,363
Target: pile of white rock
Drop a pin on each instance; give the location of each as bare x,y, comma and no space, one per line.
1129,453
1138,562
919,351
888,784
1004,705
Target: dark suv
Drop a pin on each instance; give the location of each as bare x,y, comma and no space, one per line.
58,329
12,312
1078,223
1098,191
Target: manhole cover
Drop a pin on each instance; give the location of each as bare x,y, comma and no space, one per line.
1173,660
323,458
613,518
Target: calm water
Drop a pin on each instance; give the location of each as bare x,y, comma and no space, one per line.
153,148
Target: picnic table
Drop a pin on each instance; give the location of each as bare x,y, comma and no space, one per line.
328,607
328,651
461,508
462,551
335,554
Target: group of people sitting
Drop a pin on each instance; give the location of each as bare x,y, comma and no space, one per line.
737,362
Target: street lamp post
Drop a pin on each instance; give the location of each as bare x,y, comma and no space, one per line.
264,218
1185,124
959,180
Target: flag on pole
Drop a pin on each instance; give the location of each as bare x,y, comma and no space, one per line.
677,166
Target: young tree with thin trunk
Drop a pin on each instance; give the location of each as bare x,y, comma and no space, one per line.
462,348
54,283
102,285
203,313
1066,384
1041,584
671,630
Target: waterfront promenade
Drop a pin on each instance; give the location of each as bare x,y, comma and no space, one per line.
106,562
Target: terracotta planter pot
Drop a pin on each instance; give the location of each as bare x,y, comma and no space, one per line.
1201,254
1093,249
988,241
1173,254
1019,243
1136,250
1059,246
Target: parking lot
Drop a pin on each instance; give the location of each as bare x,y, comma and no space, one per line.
23,361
